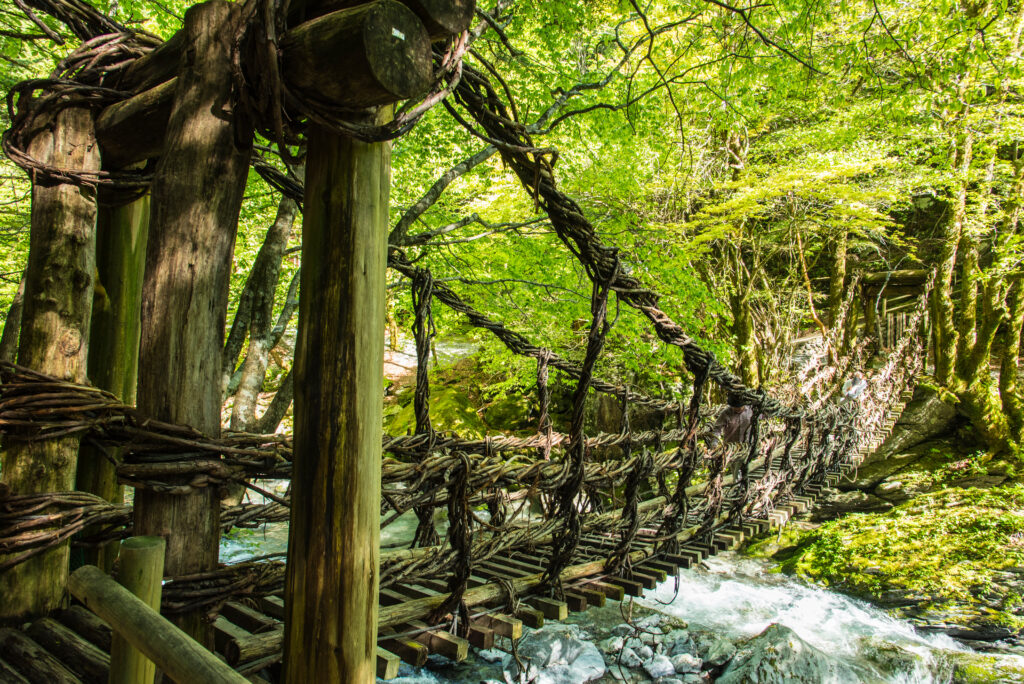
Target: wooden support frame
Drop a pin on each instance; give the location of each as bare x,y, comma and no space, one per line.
174,652
54,340
196,197
332,576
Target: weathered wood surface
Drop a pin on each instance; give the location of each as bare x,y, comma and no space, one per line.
333,544
441,18
174,652
196,196
32,660
54,339
81,657
134,130
372,54
86,624
141,571
121,236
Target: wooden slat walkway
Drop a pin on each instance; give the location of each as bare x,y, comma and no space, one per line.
73,646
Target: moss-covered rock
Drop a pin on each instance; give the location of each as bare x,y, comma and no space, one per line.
949,558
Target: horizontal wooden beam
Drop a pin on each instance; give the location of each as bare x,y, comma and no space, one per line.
174,652
133,130
364,56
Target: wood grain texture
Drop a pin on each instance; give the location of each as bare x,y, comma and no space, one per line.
54,340
196,196
121,236
184,659
333,569
373,54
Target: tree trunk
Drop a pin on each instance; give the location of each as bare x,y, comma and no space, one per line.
1013,407
197,192
54,340
262,282
12,326
744,342
837,279
945,333
333,565
121,236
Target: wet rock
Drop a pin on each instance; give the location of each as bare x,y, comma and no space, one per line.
778,656
976,668
839,503
612,644
659,666
622,630
629,658
685,663
892,660
719,653
556,656
976,631
925,417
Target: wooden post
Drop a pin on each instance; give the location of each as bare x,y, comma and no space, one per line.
141,572
173,651
54,340
196,196
332,576
121,236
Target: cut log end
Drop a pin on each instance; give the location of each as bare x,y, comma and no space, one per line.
443,18
364,56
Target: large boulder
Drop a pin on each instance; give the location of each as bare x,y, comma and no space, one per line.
556,655
925,417
837,503
778,656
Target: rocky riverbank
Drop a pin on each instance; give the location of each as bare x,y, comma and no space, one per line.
747,625
928,528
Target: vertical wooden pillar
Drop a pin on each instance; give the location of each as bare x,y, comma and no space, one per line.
332,578
196,196
121,236
141,572
54,340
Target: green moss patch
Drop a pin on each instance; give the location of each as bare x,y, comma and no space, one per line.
942,548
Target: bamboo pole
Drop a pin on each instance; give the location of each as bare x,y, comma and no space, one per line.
173,651
141,572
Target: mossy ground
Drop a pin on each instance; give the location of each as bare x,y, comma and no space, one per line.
946,548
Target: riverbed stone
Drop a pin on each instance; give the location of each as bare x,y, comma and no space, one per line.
556,655
779,656
659,666
622,630
628,658
613,644
685,662
720,652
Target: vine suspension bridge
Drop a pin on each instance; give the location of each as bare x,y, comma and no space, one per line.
618,512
